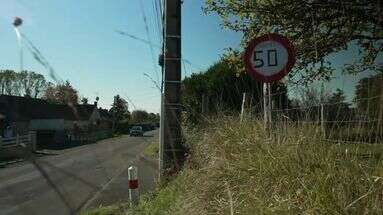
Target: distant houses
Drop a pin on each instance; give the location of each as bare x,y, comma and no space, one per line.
54,123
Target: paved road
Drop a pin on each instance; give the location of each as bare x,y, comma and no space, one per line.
73,179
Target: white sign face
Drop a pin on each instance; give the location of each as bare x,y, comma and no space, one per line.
269,57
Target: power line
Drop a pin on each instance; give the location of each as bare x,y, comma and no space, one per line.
124,33
157,19
149,39
187,61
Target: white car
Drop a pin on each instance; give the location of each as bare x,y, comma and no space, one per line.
136,131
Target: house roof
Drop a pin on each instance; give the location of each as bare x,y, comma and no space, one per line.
104,114
23,109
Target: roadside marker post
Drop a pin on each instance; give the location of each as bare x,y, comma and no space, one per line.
133,185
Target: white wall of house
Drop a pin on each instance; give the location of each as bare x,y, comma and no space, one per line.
47,124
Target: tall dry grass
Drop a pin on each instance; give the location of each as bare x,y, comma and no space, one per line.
239,168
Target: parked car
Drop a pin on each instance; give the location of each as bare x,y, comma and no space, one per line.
136,131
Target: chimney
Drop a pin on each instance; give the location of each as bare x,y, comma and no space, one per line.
95,103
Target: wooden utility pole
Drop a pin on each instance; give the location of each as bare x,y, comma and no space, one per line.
172,151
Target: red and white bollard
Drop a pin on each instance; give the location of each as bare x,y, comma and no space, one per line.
133,185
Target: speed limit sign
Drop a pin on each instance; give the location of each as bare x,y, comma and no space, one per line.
269,58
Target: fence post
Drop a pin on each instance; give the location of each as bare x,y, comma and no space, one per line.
133,185
243,106
322,120
265,105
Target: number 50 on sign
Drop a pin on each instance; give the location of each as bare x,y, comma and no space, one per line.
269,58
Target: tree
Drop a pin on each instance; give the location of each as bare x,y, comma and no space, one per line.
337,108
61,94
119,110
9,83
32,84
222,87
317,29
25,83
154,117
140,116
369,96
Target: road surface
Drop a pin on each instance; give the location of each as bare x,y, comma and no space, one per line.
75,178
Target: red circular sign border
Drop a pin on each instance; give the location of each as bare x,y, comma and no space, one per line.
249,51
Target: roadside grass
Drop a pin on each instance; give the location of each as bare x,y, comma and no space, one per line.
236,168
117,209
239,168
152,150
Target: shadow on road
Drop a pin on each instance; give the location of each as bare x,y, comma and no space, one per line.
62,146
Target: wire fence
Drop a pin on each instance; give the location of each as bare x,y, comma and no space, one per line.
358,121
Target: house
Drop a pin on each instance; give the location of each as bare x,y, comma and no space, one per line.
28,114
106,119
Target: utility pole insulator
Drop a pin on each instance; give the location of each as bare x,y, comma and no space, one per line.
161,60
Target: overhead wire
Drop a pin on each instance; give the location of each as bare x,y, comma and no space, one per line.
158,19
149,39
187,61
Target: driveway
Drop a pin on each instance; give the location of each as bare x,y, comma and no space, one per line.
76,178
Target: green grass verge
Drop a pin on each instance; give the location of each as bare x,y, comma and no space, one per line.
152,150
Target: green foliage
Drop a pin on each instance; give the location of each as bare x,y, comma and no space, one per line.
139,116
142,116
154,117
223,85
61,94
317,29
338,109
163,202
119,110
25,83
122,127
152,150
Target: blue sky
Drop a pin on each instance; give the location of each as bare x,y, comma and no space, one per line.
78,39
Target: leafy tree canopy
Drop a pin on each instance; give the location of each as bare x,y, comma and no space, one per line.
119,109
317,29
221,88
369,96
61,94
25,83
139,116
